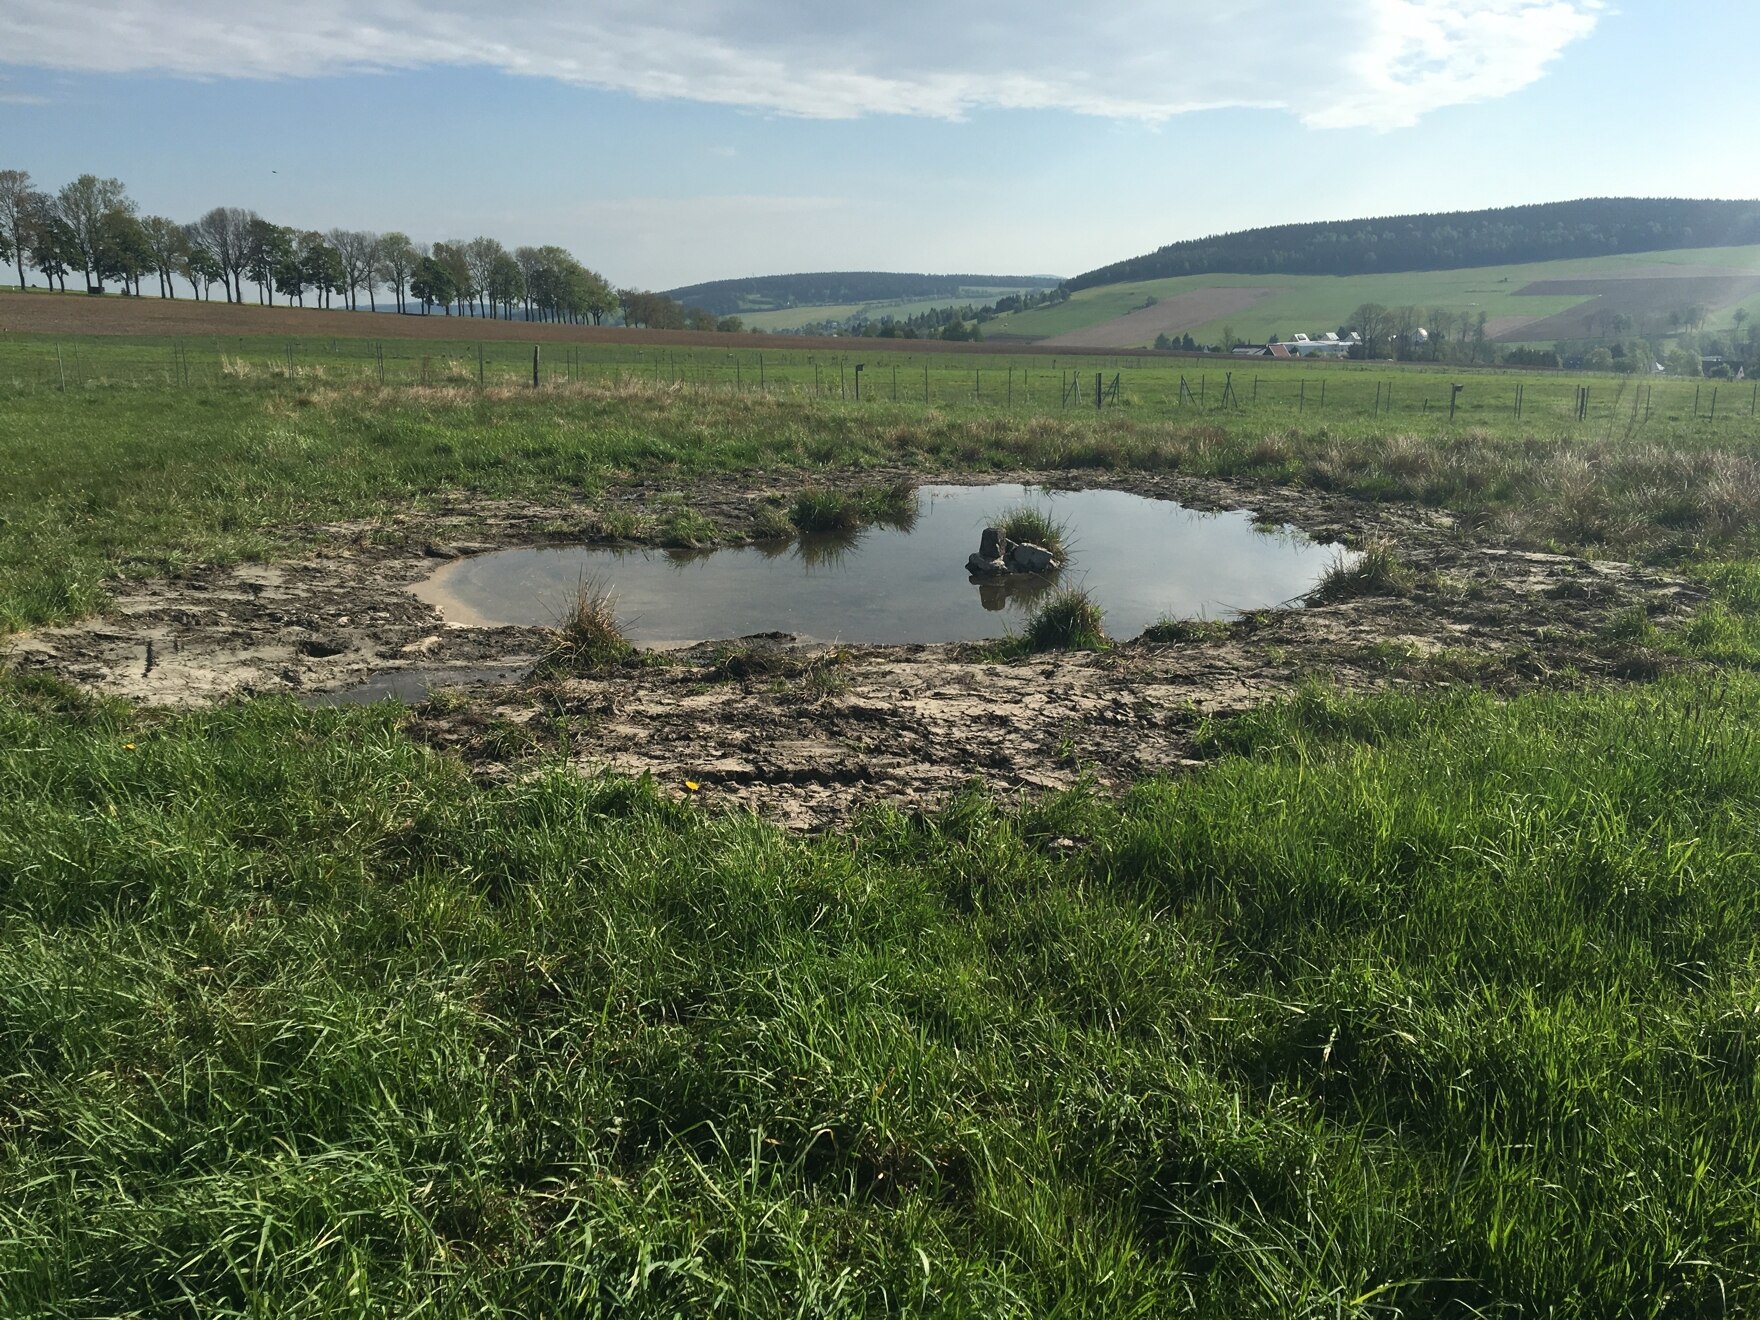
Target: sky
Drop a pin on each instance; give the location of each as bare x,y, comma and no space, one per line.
710,139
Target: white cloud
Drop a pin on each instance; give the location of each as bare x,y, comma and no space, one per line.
1365,63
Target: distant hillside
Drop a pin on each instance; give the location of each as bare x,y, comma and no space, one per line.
828,288
1455,240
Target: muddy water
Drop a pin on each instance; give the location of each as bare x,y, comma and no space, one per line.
1141,559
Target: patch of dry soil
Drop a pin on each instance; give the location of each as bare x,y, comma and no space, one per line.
806,735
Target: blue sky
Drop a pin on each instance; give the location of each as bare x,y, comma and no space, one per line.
728,138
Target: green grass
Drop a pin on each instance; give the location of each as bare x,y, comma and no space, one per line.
1394,1005
1375,570
1067,620
122,476
300,1020
1310,303
824,509
1034,526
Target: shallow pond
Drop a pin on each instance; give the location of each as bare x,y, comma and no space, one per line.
1140,559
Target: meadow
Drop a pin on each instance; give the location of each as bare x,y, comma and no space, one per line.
1419,1003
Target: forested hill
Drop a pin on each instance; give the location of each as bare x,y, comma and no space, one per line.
1451,240
826,288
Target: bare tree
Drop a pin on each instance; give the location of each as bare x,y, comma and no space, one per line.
224,233
84,206
359,250
18,203
480,256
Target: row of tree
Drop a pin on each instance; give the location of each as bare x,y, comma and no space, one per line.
93,227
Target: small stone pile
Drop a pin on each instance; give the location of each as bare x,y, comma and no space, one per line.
997,555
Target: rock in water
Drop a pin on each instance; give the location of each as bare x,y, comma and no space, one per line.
1024,558
978,566
993,544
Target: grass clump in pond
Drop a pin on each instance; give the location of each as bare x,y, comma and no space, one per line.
589,635
820,509
1034,526
1068,620
1376,571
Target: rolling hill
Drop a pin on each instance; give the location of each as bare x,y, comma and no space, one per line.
1452,240
1535,302
829,290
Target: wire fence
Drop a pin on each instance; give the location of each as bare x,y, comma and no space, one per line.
1030,382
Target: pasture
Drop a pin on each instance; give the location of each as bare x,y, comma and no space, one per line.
1391,955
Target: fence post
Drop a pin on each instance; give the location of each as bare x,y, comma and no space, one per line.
60,366
1097,387
534,366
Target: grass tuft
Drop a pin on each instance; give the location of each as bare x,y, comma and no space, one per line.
589,634
1068,621
1185,630
1034,526
818,509
1376,571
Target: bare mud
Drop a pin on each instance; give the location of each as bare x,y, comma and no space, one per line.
807,735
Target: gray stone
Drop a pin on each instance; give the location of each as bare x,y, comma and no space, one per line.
1024,558
993,544
979,566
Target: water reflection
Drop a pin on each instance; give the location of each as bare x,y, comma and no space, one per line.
1141,559
1018,589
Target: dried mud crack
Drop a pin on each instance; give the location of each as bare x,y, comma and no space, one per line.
806,735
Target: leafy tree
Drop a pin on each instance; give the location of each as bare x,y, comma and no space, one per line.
203,271
168,244
700,318
452,256
322,266
84,207
507,285
732,325
266,248
124,253
51,245
480,255
432,283
19,202
396,262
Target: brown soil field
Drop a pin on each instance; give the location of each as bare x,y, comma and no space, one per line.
807,734
1647,299
1500,329
1171,316
79,314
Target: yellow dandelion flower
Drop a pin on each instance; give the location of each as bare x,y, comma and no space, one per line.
692,784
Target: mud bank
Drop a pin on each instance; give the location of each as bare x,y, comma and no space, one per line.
807,735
